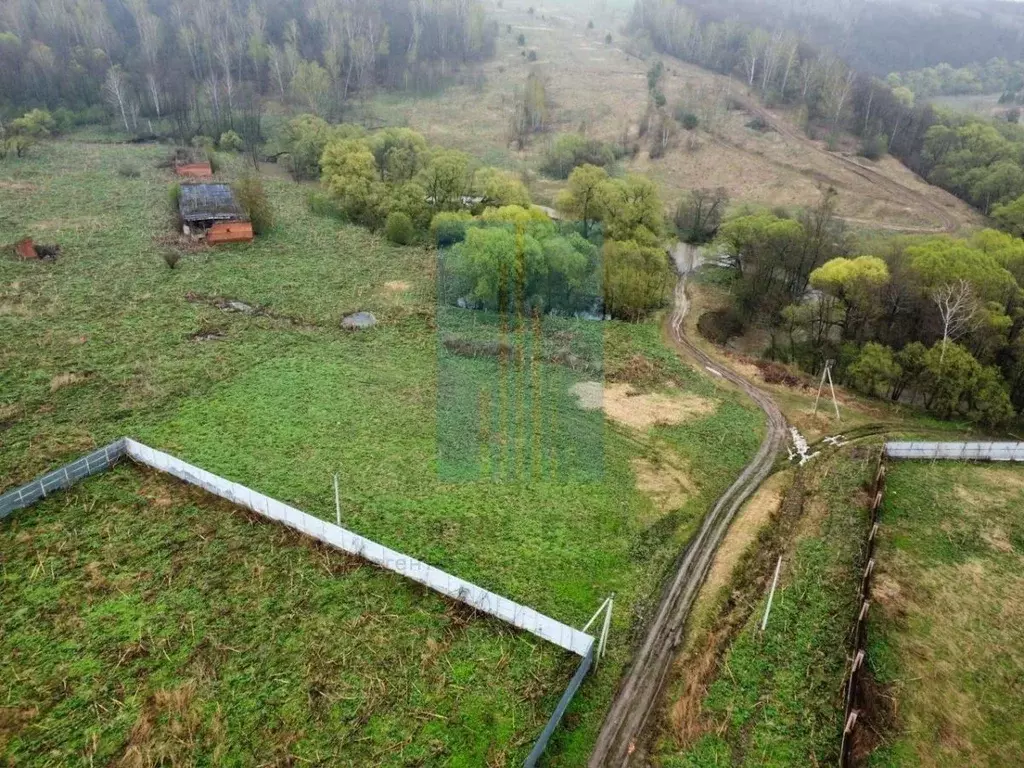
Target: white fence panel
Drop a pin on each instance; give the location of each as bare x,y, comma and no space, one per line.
968,451
487,602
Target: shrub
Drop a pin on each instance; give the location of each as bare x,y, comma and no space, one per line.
231,142
127,171
531,56
171,258
720,325
399,229
174,196
687,119
759,124
251,195
203,142
571,150
448,229
874,148
522,39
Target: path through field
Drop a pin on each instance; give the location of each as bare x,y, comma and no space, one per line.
641,687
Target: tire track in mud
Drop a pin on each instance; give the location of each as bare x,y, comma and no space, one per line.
641,687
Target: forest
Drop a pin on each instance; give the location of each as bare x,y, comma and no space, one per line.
202,64
977,159
994,76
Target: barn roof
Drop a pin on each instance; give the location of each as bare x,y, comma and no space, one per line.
208,202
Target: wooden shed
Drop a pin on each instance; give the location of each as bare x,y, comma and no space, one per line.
211,208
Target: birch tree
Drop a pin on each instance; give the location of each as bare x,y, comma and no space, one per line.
957,308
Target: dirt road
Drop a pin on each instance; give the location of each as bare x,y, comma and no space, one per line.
641,687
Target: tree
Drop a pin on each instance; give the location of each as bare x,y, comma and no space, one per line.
400,153
632,210
445,179
950,374
875,371
582,199
115,89
498,188
699,215
636,278
350,174
957,307
253,198
1010,216
313,83
304,139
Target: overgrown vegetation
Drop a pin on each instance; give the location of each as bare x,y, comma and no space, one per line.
776,697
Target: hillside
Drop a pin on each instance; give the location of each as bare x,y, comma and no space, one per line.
601,89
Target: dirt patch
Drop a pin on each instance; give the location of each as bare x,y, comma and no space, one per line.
18,186
997,539
589,395
745,528
62,380
669,486
397,286
624,404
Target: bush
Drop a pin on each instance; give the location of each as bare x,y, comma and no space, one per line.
127,171
759,124
448,229
687,119
251,195
203,142
720,325
171,258
399,229
874,148
231,142
571,150
522,39
531,56
174,196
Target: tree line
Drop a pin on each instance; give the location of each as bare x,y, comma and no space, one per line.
201,62
936,321
994,76
979,160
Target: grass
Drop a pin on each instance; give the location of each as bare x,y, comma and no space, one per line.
776,698
145,623
945,642
108,341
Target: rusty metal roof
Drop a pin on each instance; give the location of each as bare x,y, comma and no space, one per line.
208,202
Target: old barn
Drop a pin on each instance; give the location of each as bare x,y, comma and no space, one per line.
212,208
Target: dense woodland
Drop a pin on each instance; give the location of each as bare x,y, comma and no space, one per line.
994,76
203,62
979,160
883,37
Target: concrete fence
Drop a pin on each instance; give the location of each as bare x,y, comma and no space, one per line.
956,451
520,616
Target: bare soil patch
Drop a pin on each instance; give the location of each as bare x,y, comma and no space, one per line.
624,404
668,485
70,379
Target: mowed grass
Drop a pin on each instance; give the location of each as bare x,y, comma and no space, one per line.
776,698
108,341
945,634
144,623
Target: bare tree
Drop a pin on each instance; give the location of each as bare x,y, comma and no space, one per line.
958,308
116,92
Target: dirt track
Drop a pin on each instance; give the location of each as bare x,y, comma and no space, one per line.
893,188
641,686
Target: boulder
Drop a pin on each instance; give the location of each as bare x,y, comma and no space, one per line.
359,321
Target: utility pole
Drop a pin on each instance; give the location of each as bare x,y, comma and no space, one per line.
827,374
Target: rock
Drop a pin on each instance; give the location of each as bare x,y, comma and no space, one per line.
359,321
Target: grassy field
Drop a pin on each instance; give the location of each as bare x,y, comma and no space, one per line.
945,643
108,341
743,697
144,623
